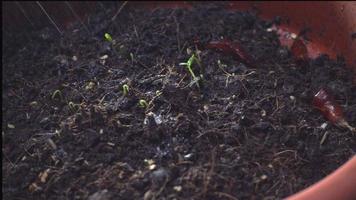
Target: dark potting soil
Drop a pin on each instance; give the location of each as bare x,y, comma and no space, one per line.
247,132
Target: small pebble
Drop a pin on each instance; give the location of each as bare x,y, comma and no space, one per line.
151,164
324,125
158,119
293,36
11,126
110,144
263,177
177,188
44,120
189,155
152,167
104,57
263,113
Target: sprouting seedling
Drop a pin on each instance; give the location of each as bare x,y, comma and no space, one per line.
33,103
158,93
227,74
108,37
142,103
125,89
189,64
73,106
90,86
56,93
132,57
113,42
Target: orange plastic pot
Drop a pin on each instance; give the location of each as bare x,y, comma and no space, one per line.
340,185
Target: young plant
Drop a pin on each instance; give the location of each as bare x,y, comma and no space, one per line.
33,103
227,74
189,65
132,57
125,89
90,86
73,107
142,103
158,93
57,93
108,37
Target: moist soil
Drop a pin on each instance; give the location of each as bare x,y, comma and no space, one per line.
247,132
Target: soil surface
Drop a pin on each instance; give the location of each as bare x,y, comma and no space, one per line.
247,132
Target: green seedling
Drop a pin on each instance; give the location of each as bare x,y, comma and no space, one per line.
74,107
33,103
132,57
189,65
142,103
158,93
227,74
108,37
125,89
90,86
57,93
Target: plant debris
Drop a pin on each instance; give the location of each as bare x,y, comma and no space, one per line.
325,102
234,48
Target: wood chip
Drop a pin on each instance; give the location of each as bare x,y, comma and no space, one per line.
44,175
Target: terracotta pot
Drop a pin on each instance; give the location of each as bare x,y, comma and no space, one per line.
340,185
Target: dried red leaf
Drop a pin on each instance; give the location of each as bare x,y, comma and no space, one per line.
299,49
233,48
325,102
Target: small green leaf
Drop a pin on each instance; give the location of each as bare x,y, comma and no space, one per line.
125,89
189,65
108,37
142,103
74,107
33,103
57,93
158,93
